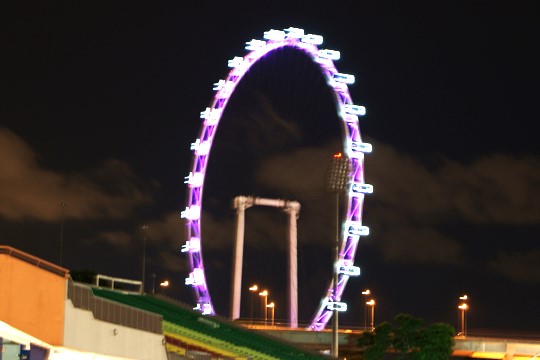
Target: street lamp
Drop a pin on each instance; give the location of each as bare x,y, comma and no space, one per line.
164,285
252,289
144,229
338,180
463,307
271,306
372,304
366,293
264,294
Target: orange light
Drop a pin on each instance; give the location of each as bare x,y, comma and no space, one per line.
338,155
487,355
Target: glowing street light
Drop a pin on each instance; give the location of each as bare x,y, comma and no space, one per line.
264,294
366,293
252,289
164,285
271,306
372,304
463,307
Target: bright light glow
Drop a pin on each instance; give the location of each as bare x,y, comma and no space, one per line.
196,277
218,85
354,228
463,306
255,44
271,305
349,270
361,147
226,91
194,179
366,292
276,35
201,147
263,293
295,33
192,245
211,116
488,355
325,63
354,109
338,156
338,86
312,39
346,79
350,118
336,305
164,283
191,213
235,62
207,309
329,54
464,297
370,302
254,288
361,188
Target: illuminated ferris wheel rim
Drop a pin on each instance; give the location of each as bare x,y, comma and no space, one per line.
354,148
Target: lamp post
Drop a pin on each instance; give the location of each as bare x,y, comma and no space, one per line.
337,182
372,304
63,205
264,294
144,228
463,307
164,285
252,289
366,293
272,307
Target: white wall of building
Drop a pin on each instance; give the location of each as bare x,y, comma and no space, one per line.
84,333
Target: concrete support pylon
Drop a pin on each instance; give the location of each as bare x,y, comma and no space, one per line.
241,203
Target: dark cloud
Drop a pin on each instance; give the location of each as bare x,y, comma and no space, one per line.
413,203
495,189
117,239
419,245
166,236
518,266
30,191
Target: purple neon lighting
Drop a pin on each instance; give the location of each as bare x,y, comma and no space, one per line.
354,148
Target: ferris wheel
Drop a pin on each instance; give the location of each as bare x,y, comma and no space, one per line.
351,228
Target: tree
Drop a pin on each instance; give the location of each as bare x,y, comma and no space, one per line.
84,276
436,343
407,333
376,343
409,337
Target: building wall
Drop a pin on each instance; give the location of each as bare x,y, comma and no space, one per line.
84,333
32,299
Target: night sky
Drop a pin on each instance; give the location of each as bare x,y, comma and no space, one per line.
100,102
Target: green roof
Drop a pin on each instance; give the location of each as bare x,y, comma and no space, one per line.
246,342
